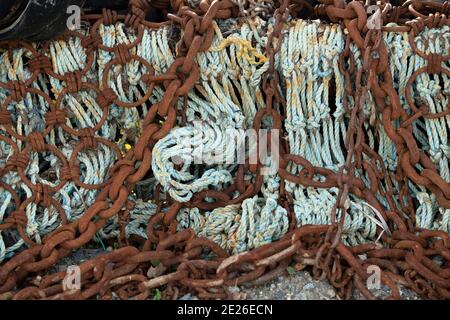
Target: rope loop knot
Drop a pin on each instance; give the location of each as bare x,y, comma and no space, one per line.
137,12
106,98
17,218
43,195
123,54
18,90
69,173
20,161
55,117
5,117
434,63
74,82
40,62
109,16
92,42
87,136
37,142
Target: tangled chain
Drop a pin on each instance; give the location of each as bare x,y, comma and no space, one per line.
93,161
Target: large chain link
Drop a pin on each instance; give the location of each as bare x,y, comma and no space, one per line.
407,256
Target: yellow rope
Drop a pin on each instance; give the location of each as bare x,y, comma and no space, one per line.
245,50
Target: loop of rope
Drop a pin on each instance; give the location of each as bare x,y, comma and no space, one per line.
74,81
36,141
43,194
122,53
109,16
106,97
87,136
55,117
5,117
40,63
136,13
18,90
92,42
20,160
17,218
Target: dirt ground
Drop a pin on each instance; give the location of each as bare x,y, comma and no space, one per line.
301,286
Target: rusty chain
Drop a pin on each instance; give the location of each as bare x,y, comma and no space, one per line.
408,254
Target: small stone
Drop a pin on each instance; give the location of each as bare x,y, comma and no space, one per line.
188,297
301,296
234,289
37,280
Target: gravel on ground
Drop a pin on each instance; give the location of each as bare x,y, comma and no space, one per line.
293,285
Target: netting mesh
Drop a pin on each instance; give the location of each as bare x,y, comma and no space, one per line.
73,108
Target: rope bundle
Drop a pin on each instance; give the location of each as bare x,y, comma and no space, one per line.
130,131
225,97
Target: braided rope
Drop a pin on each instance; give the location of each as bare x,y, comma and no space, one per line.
227,95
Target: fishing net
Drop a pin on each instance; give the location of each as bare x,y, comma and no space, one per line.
120,133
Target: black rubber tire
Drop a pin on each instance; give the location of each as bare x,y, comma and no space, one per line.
37,19
110,4
10,10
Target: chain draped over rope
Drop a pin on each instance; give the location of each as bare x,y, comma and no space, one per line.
413,257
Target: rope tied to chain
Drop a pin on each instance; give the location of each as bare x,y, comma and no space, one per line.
5,117
434,64
55,117
43,194
16,219
36,141
74,81
341,101
87,138
137,12
20,160
106,98
39,63
17,89
109,16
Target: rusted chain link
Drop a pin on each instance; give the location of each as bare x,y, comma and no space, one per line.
408,256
